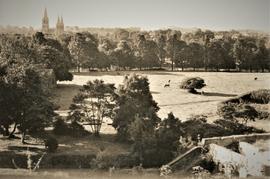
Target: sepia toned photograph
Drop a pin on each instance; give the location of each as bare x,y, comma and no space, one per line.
134,89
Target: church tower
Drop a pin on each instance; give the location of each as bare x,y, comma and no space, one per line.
60,26
45,22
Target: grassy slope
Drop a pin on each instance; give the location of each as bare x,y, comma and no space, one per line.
220,87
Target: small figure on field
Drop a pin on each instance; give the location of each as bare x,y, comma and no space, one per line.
167,84
255,78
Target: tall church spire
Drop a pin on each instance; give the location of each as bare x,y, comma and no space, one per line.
59,26
45,13
45,22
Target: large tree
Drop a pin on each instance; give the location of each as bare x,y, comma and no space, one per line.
244,51
148,52
53,55
123,55
92,104
134,101
83,48
25,103
174,47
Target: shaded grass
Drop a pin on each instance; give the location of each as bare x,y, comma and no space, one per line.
63,94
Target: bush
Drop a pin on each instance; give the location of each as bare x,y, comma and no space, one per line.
73,129
261,96
60,127
235,128
198,125
51,144
192,83
237,112
105,160
77,130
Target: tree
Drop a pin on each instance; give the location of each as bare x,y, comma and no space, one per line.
123,55
196,60
192,83
83,49
168,134
53,55
215,54
262,59
161,43
142,135
183,56
56,60
148,51
174,46
134,101
227,47
30,110
94,102
244,52
25,103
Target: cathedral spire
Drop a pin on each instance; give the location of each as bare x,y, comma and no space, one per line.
62,22
45,22
45,13
58,21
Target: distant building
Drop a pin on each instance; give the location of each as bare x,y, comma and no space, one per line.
59,25
45,22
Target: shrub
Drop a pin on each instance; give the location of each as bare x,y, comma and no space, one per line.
51,144
261,96
60,127
234,127
73,129
198,125
192,83
105,160
237,112
77,130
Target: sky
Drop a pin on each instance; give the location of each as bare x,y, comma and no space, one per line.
147,14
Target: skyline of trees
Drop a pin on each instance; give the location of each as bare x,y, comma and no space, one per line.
125,50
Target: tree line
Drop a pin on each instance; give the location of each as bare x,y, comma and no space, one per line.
168,48
161,49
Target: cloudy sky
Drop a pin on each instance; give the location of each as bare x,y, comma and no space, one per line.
148,14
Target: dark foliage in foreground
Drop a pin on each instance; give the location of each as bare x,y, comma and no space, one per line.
73,129
51,144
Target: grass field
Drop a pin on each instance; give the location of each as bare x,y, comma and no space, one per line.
220,86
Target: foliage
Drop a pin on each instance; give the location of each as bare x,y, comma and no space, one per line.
134,100
168,133
51,144
261,96
84,50
28,106
235,128
123,55
199,125
237,112
226,50
60,127
174,48
192,83
148,51
94,102
53,55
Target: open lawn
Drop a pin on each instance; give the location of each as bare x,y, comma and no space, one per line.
220,86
